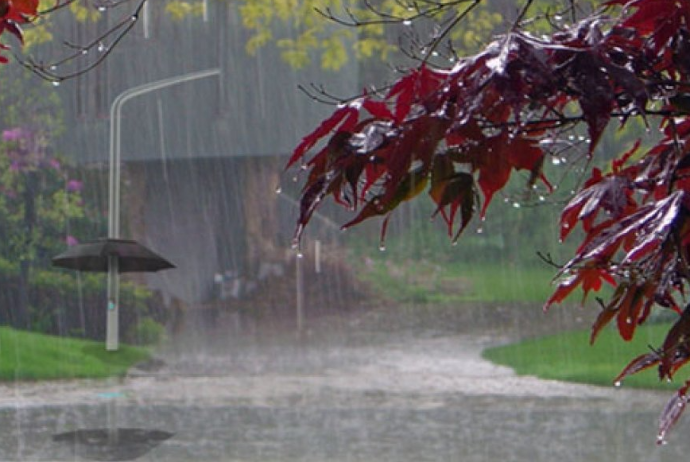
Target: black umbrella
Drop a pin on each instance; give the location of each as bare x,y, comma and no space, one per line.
112,256
93,256
112,444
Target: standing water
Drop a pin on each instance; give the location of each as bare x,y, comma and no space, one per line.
378,385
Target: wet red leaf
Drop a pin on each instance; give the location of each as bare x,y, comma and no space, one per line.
461,133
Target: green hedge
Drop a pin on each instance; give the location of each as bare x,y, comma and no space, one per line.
74,304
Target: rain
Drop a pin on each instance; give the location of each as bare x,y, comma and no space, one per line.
151,216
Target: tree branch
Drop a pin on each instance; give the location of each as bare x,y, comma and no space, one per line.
49,71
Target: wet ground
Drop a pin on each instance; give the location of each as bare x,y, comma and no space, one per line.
394,384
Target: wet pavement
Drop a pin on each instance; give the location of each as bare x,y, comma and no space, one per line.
369,386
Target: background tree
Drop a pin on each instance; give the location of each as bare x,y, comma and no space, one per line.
459,129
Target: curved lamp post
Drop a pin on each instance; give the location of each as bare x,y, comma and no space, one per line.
113,294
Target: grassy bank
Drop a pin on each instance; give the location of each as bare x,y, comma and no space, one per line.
570,357
425,282
31,356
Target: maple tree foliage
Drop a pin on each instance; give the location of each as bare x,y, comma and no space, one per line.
459,132
16,14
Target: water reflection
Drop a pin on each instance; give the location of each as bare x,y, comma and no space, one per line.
112,444
355,389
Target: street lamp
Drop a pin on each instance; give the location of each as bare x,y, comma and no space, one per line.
113,294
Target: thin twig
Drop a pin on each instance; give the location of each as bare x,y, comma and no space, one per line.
120,30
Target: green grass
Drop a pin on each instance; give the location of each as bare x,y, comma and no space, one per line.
32,356
502,283
570,357
423,281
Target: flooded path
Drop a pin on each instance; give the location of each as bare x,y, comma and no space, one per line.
357,388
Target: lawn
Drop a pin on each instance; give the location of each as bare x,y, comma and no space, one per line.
570,357
32,356
423,281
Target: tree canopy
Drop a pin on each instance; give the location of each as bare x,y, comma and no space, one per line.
459,129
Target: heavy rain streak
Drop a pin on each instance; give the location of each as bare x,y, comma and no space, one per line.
185,277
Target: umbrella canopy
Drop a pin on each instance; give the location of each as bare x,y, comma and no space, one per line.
112,444
93,256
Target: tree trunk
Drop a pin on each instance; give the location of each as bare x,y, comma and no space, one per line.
21,318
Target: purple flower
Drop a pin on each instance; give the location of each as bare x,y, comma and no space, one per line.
13,134
54,163
74,186
71,240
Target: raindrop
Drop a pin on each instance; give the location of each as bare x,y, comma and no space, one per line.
660,440
295,179
556,161
85,51
382,247
407,22
300,255
133,18
56,83
101,48
480,230
542,198
434,53
617,384
279,190
53,67
516,205
102,9
558,17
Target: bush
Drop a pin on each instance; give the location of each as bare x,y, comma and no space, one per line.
68,304
146,332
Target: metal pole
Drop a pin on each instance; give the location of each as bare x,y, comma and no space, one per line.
112,336
299,281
